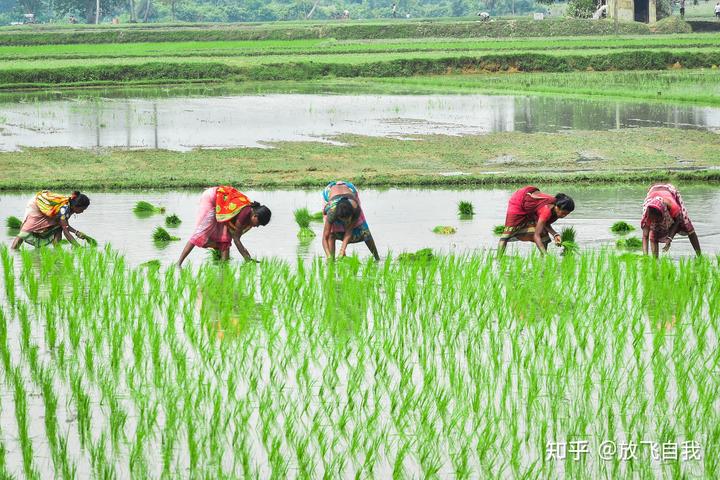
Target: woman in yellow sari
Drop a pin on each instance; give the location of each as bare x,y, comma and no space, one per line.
46,219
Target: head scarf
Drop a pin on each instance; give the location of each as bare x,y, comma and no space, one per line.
50,203
228,203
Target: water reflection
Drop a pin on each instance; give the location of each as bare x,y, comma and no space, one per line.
253,120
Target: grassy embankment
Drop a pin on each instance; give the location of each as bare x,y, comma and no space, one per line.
300,52
646,154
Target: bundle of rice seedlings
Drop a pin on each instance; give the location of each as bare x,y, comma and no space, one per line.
499,230
465,209
13,223
172,221
444,230
143,207
621,227
303,218
631,243
317,216
422,255
215,254
162,235
567,241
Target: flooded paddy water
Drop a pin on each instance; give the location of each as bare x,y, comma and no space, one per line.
185,123
292,369
401,220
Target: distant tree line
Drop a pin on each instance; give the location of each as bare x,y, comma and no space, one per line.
84,11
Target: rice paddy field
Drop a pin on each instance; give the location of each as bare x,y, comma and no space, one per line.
440,367
440,360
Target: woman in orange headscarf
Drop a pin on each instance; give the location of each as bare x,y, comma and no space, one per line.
225,215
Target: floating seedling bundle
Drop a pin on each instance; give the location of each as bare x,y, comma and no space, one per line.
162,235
465,209
354,369
143,208
13,223
172,221
303,219
444,230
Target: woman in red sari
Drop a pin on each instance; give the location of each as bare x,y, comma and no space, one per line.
530,215
664,216
225,214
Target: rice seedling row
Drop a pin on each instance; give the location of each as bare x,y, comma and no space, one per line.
425,366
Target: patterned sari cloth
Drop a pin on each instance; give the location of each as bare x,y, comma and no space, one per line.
666,199
360,228
43,214
525,207
219,205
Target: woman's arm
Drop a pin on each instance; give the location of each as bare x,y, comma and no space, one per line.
553,234
67,231
645,240
327,242
186,251
673,231
537,236
241,248
346,240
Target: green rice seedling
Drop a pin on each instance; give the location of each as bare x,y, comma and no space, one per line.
143,208
172,221
155,263
498,230
465,209
567,241
317,216
162,235
630,243
621,228
444,230
90,240
303,219
13,223
423,255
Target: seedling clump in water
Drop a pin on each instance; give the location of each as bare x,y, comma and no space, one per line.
303,219
162,235
444,230
465,209
498,230
13,223
621,227
172,221
630,243
146,208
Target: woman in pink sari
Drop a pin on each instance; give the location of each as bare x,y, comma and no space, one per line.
664,216
225,214
530,215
